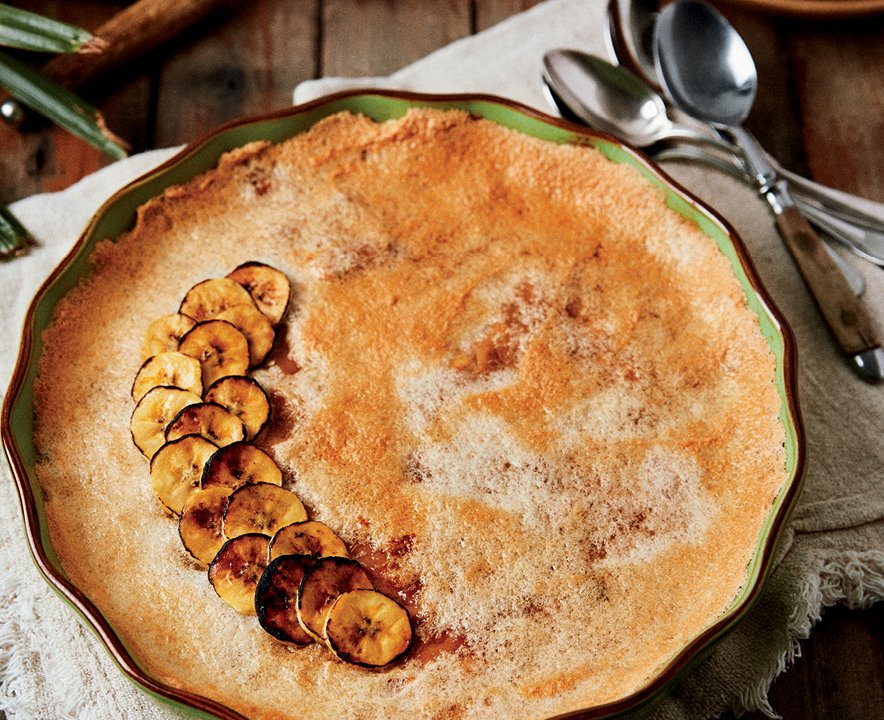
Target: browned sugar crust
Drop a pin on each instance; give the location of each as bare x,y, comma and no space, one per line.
528,394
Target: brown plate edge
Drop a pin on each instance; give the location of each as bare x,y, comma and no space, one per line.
102,628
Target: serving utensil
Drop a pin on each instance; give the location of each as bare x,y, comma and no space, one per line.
611,98
708,72
629,35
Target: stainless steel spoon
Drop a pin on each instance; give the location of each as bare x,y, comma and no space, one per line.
630,36
612,99
630,25
707,70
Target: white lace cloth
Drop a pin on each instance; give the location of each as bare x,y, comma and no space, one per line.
832,550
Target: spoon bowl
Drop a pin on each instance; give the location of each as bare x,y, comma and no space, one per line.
611,98
606,96
704,65
630,36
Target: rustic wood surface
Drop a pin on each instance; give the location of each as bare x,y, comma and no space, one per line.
820,110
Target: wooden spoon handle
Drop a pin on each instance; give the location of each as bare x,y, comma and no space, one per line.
847,316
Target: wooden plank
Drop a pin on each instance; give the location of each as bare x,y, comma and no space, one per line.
838,674
839,72
243,61
491,12
250,58
376,37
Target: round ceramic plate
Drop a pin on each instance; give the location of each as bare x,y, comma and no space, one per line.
117,215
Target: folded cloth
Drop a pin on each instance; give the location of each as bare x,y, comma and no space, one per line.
832,550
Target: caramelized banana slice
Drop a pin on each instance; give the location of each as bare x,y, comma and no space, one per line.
208,299
257,328
310,537
176,470
154,412
261,508
239,464
276,597
367,628
173,369
211,420
245,398
236,569
201,521
328,578
219,347
269,288
164,334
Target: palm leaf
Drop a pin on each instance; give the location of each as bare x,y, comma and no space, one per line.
59,105
13,235
29,31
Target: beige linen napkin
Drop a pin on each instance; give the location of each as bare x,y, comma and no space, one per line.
833,547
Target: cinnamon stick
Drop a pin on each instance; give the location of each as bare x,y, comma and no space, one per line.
136,30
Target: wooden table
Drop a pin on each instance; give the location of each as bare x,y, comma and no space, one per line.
820,110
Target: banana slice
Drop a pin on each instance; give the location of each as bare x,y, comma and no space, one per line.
277,595
245,398
328,578
261,508
236,569
208,299
219,347
257,328
176,469
367,628
164,334
211,420
154,412
201,520
269,288
239,464
174,369
310,537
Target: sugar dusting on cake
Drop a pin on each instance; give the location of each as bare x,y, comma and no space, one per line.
508,372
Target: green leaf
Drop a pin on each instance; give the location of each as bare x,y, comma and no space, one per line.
13,235
29,31
60,105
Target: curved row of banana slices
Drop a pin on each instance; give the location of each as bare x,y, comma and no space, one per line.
196,414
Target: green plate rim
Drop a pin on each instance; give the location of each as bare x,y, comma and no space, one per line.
17,414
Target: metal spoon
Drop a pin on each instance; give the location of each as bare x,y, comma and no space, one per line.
630,36
707,70
611,98
630,29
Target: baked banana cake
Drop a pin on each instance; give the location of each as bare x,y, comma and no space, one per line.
525,398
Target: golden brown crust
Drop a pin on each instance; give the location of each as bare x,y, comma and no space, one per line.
518,386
